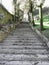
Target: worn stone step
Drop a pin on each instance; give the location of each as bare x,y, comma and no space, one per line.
11,57
21,44
23,47
24,63
13,38
26,39
14,43
6,41
19,36
17,63
29,44
23,51
23,40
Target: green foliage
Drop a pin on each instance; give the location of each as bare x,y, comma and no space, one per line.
38,27
45,19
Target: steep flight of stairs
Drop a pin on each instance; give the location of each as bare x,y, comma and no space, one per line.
23,47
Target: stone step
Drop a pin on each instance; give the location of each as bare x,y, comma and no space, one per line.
17,62
18,36
19,29
23,47
11,57
19,41
23,51
21,44
23,40
24,63
12,38
28,44
21,37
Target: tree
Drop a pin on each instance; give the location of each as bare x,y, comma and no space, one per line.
17,4
31,10
14,2
40,4
26,8
18,10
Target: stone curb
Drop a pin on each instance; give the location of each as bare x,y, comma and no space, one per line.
43,37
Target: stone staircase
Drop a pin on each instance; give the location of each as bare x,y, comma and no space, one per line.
23,47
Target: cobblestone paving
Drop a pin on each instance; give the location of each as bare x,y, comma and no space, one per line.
23,47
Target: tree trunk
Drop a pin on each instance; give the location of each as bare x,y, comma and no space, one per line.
33,19
29,17
15,14
41,18
33,22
